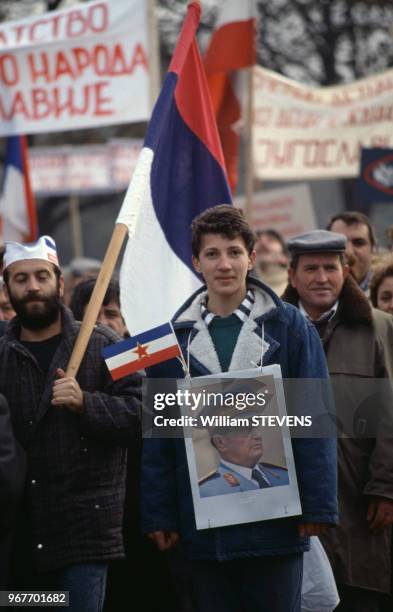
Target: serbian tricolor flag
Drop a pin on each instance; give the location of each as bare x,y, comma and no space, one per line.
180,172
17,207
232,47
142,351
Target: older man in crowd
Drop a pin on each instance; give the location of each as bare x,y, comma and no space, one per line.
356,339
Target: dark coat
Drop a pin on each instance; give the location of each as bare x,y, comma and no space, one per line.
358,343
166,493
76,463
12,478
3,327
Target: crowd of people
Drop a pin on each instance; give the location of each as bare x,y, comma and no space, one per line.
89,507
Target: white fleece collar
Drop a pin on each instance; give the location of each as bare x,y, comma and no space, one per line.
248,349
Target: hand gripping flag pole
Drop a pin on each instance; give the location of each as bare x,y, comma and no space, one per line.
97,298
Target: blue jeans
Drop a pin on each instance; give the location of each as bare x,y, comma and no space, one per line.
260,584
86,583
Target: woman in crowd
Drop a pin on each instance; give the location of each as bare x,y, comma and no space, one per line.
381,287
381,296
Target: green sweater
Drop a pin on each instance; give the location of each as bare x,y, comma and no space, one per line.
224,332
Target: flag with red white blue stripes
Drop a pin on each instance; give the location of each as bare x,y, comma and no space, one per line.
141,351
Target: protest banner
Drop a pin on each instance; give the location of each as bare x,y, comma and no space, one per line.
308,133
288,210
80,67
84,169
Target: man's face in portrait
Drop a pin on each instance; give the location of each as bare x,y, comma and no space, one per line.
242,447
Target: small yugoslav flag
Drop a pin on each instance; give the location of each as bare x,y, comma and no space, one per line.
141,351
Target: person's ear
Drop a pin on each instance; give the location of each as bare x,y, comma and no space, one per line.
292,277
61,286
196,264
218,442
251,259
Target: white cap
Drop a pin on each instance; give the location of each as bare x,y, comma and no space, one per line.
44,248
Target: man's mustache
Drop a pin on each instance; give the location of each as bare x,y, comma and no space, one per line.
33,298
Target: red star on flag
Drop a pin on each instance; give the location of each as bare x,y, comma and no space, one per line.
141,351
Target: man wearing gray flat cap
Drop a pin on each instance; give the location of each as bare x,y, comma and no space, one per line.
317,241
358,343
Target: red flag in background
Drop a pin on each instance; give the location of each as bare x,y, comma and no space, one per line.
18,219
232,47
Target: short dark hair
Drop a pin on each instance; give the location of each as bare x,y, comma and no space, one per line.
6,274
222,219
82,293
379,275
295,259
353,218
275,235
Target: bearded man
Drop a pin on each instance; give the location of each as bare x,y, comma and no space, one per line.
74,432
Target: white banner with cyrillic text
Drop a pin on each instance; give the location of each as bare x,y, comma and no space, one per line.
305,132
80,67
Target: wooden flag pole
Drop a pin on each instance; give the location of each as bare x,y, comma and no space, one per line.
97,297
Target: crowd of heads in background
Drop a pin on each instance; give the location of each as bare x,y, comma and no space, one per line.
370,265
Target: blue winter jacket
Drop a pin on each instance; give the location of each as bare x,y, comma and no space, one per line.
166,496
